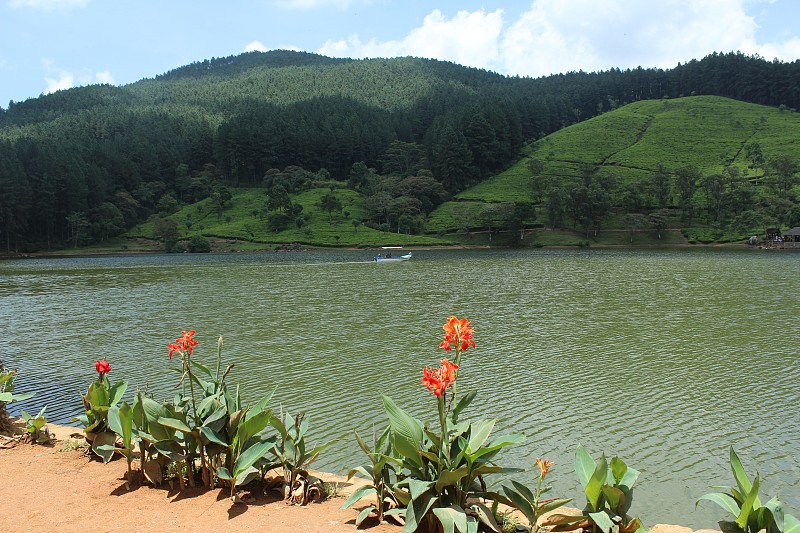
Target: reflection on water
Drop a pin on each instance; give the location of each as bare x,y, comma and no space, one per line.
664,358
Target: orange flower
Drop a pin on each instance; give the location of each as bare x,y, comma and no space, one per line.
458,334
440,379
184,344
544,465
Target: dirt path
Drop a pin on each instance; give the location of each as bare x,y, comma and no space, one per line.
56,487
53,488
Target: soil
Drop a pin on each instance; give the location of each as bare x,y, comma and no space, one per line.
57,487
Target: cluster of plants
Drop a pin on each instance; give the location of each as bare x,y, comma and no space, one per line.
35,425
429,476
204,434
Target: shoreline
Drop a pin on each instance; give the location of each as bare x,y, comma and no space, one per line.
82,491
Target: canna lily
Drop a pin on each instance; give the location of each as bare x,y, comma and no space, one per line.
184,344
544,465
103,367
458,334
439,379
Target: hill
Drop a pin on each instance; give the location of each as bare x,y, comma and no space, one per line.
85,164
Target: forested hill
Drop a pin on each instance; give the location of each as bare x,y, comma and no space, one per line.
102,153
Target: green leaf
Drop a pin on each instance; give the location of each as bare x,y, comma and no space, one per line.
555,504
249,457
747,504
174,423
451,477
522,503
252,426
594,489
618,469
211,436
364,514
224,473
775,507
116,392
452,518
523,490
497,444
480,432
407,431
463,403
417,487
791,524
723,500
262,404
615,498
170,449
359,493
602,520
101,443
741,478
485,515
584,465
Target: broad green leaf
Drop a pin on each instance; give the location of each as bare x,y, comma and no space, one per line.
594,488
776,508
8,397
174,423
416,511
747,505
555,504
262,404
480,432
417,487
170,449
224,473
451,477
116,392
497,444
359,493
101,443
584,465
741,478
211,436
407,431
485,515
629,479
602,520
723,500
364,471
253,426
618,469
522,503
522,489
614,497
763,518
452,518
364,514
791,524
463,403
249,457
363,446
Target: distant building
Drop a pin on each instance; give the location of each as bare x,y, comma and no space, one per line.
791,238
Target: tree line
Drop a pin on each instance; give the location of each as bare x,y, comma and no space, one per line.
83,165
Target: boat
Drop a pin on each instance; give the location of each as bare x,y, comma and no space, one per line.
390,258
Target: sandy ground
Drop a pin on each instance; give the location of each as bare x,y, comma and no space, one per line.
54,487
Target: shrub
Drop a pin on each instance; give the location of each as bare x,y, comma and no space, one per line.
199,244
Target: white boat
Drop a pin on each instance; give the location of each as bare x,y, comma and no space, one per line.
390,258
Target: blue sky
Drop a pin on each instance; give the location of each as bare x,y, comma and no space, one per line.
47,45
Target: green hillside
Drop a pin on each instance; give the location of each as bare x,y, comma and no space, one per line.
85,165
618,155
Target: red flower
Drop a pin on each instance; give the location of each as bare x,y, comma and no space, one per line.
103,367
440,379
184,344
458,334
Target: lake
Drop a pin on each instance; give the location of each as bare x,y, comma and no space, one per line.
663,357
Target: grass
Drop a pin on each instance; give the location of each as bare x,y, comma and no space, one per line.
627,144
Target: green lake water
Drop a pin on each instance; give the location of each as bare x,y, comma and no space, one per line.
664,358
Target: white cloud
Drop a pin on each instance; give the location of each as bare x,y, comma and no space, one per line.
65,80
255,46
467,38
104,77
562,35
48,5
57,78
